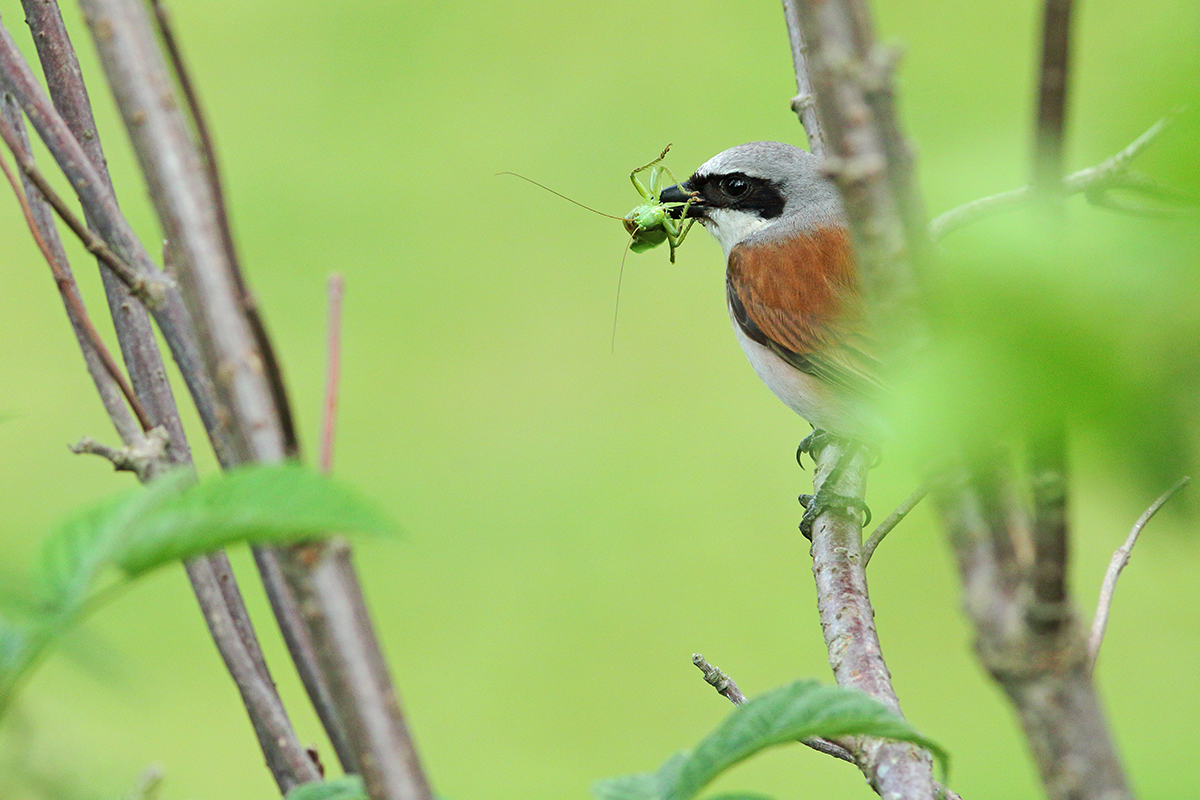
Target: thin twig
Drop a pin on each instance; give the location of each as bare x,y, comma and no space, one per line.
333,361
1095,181
891,521
717,679
94,244
140,459
106,374
729,690
1119,560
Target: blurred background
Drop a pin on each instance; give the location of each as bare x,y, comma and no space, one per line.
580,517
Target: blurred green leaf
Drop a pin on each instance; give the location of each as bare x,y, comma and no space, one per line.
259,503
348,787
170,520
781,716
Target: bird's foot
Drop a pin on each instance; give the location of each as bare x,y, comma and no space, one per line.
813,444
817,504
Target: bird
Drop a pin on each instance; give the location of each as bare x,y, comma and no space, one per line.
791,285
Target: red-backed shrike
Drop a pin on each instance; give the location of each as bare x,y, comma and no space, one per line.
790,283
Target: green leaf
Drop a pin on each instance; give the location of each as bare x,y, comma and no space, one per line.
170,519
348,787
783,715
164,522
272,503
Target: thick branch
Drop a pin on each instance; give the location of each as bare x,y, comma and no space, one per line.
1042,669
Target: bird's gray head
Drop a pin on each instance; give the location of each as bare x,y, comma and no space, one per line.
760,190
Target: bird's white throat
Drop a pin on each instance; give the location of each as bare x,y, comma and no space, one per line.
730,226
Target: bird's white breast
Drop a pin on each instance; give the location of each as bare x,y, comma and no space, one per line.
811,398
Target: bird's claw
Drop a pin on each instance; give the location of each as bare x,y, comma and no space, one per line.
822,501
813,444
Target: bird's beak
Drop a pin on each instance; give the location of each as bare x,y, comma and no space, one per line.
675,194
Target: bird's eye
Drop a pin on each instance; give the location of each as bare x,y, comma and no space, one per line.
735,187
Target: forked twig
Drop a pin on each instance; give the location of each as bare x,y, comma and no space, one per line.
77,313
1095,182
1119,560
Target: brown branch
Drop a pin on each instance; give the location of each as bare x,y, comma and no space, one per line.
1049,606
1052,95
211,577
212,173
320,581
872,165
1042,669
1119,560
101,208
135,334
803,103
894,769
333,361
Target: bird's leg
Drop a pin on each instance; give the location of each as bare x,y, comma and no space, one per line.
826,498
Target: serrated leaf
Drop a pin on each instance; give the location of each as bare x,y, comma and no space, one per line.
781,716
348,787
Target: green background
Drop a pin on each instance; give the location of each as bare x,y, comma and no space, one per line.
578,519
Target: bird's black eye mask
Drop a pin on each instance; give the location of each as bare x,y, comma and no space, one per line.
736,190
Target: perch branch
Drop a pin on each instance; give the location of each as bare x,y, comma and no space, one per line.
871,163
803,103
894,769
1119,560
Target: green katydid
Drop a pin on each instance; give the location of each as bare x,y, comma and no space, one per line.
652,222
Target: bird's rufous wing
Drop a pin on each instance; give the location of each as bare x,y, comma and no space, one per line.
799,297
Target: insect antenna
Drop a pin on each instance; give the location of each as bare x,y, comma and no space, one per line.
612,348
559,194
